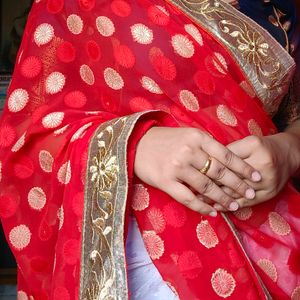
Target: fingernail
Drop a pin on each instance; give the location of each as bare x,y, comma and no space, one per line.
256,176
213,214
250,194
218,206
233,206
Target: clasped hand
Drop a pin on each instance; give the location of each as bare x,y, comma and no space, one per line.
246,172
170,159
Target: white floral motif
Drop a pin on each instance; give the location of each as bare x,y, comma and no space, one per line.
183,46
193,31
105,26
150,85
43,34
269,268
142,34
278,224
37,198
60,216
61,130
55,82
141,197
244,213
75,24
64,173
19,144
226,116
46,161
206,235
154,244
189,100
254,128
248,88
220,63
87,74
17,100
81,131
156,219
53,120
113,79
296,293
223,283
20,237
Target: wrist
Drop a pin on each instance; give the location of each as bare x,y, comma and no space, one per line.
292,140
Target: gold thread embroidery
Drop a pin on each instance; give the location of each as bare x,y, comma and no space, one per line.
103,271
265,63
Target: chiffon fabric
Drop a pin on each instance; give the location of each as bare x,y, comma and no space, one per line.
83,63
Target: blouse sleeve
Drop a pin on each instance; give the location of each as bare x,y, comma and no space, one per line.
289,110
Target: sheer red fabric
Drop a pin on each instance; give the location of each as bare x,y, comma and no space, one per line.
82,63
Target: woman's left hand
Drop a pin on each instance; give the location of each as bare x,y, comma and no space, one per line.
276,157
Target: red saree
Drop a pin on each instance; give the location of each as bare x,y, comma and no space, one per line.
91,77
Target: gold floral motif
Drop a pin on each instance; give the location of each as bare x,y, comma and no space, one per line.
269,268
278,224
223,283
206,235
267,66
105,170
103,266
103,178
296,293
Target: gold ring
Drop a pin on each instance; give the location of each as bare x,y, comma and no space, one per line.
206,167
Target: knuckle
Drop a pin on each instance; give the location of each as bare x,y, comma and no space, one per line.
195,134
220,172
228,157
247,171
175,164
225,200
207,186
186,150
187,201
239,186
256,140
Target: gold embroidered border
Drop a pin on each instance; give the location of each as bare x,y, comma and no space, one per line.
265,63
103,266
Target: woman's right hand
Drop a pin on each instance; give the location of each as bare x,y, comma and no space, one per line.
170,159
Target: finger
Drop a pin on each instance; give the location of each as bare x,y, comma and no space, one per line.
185,196
230,192
244,202
219,208
220,173
229,159
205,186
240,148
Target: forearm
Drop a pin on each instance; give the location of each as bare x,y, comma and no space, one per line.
293,132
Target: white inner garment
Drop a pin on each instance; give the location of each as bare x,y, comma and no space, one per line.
144,280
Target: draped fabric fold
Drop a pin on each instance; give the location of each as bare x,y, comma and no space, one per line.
91,77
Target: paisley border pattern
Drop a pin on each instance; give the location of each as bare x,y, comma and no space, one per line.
265,63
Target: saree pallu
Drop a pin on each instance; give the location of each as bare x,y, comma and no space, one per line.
91,78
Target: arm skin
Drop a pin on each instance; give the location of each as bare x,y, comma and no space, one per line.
294,132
